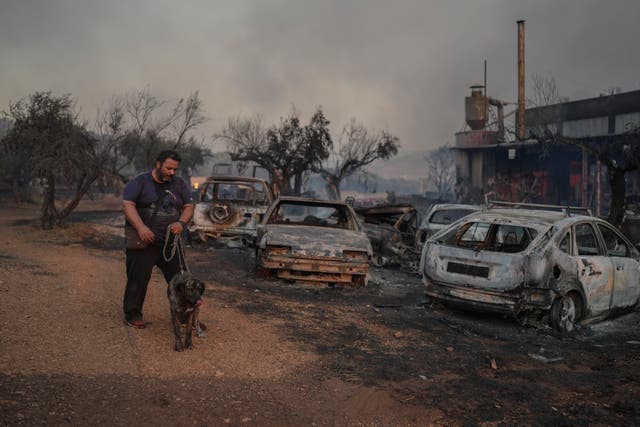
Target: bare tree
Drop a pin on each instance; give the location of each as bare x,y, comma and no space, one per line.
357,147
137,125
441,169
544,90
190,116
286,151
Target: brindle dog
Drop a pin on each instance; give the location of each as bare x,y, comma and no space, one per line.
185,297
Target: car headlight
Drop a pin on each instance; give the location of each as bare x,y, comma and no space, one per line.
278,250
356,255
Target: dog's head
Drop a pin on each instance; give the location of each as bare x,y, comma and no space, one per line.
189,289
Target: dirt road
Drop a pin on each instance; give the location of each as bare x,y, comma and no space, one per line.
279,353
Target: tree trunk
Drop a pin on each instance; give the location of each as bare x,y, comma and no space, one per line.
16,190
618,192
281,184
49,204
81,190
297,183
333,188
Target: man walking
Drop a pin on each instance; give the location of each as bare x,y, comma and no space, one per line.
153,202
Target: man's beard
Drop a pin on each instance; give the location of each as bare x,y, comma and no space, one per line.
161,176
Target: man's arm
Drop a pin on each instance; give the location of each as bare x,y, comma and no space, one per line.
131,213
185,217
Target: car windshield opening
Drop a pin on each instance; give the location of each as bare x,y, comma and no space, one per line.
490,236
332,216
238,192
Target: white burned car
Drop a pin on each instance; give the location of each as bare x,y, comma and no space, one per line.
313,240
538,265
229,208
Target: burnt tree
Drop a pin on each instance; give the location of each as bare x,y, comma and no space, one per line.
441,169
356,148
286,151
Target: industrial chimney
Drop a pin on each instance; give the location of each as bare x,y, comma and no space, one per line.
520,80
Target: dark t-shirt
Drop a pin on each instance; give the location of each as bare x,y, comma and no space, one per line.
144,191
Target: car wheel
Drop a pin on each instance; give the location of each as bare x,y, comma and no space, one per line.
378,260
565,313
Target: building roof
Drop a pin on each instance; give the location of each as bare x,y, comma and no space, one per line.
610,105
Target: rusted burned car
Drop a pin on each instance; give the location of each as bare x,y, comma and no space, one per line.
441,215
391,230
539,265
230,208
314,240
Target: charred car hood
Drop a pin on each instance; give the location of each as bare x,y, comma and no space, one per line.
316,241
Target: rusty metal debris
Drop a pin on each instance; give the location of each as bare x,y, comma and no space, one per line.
392,232
313,240
229,208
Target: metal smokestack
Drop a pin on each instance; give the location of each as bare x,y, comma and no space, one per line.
521,80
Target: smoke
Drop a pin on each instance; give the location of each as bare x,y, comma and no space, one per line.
404,65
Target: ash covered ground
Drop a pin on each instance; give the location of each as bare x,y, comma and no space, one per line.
281,353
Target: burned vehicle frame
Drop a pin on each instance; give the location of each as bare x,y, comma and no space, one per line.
313,240
440,216
229,208
542,266
392,232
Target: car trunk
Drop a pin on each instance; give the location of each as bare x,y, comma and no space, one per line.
488,270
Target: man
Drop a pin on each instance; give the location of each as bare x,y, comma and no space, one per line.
153,202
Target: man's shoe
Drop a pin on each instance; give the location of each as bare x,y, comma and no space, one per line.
138,324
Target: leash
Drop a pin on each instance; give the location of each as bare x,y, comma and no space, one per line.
176,247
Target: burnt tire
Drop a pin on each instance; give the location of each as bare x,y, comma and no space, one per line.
378,260
220,213
565,313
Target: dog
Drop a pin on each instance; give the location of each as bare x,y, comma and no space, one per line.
185,298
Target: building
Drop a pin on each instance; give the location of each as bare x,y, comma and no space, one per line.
526,170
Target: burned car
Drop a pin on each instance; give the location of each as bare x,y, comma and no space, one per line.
313,240
441,215
542,266
391,230
229,208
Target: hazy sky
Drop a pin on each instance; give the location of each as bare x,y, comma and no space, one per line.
404,65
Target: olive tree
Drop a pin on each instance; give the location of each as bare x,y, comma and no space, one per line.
286,150
54,148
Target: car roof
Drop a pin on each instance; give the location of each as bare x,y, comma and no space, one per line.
384,209
535,218
306,201
232,178
442,206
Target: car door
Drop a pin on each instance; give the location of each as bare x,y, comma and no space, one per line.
595,270
626,268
